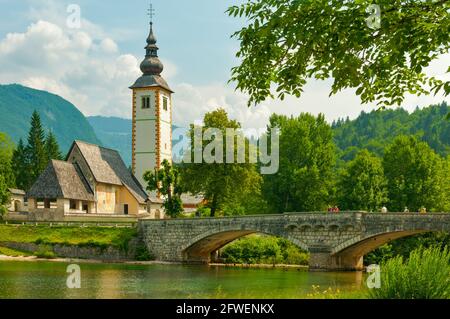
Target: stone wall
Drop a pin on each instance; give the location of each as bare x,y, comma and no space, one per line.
70,251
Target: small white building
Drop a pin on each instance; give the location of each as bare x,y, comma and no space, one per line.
17,200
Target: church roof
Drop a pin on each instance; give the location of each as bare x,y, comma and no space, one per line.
108,167
146,81
61,180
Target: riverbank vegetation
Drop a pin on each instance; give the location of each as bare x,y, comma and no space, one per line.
261,249
424,275
98,237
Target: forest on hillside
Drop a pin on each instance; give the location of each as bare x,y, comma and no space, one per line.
374,130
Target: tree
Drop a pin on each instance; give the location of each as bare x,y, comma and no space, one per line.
6,173
375,130
6,153
362,185
166,182
288,42
304,181
29,161
222,184
35,150
414,174
445,182
52,148
4,195
20,166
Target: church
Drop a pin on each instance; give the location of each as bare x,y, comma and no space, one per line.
94,180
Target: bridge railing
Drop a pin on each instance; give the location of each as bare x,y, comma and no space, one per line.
321,213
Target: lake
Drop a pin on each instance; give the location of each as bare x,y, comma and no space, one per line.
21,279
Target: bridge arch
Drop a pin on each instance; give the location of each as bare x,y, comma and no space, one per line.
200,248
371,242
349,254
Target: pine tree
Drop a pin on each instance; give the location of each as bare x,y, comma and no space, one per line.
35,149
4,195
20,166
52,148
6,153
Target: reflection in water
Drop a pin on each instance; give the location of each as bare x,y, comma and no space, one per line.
48,280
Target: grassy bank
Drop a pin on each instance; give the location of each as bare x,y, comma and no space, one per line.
13,252
100,237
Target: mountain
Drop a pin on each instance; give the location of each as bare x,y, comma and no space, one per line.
18,102
114,133
376,129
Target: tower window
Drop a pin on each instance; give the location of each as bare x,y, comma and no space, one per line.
165,103
146,102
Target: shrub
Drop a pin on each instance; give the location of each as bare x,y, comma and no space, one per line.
203,211
425,275
264,250
3,212
45,251
142,253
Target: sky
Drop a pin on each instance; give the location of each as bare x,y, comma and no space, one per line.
92,66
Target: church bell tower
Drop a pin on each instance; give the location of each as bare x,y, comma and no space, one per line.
152,114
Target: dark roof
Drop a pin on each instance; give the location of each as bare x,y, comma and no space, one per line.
61,180
151,81
108,167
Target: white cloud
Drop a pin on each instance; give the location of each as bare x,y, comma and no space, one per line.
108,46
87,71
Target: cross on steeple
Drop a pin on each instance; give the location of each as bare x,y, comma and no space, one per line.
151,13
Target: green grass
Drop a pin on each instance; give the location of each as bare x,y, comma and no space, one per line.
316,292
424,275
101,237
13,252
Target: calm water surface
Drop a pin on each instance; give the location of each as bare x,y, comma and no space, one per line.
48,280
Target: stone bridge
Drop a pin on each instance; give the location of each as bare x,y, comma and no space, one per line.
336,241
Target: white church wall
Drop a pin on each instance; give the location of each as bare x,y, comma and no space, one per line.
145,136
144,162
166,127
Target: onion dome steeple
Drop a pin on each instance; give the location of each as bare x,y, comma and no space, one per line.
151,66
